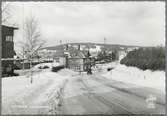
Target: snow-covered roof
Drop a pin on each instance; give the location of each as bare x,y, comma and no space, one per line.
10,26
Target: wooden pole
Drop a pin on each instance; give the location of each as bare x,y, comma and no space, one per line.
31,78
23,58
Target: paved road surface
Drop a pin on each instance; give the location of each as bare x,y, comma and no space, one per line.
96,95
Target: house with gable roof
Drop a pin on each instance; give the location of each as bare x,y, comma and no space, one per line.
8,52
80,60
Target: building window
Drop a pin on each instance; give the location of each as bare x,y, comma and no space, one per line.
9,38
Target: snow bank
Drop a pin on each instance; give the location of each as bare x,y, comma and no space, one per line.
147,78
105,66
27,71
37,68
67,72
50,65
45,89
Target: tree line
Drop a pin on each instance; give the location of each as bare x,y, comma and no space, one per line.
106,56
146,58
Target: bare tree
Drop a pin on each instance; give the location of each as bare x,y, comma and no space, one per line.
33,41
6,12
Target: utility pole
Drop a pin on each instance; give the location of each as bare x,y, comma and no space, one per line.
60,42
31,79
23,34
30,64
89,64
23,58
31,70
104,40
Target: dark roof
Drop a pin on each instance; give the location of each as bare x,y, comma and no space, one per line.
12,27
76,54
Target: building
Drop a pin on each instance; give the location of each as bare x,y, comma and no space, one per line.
60,58
72,58
76,60
121,54
80,61
46,55
7,50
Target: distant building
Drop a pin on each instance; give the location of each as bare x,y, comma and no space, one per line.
76,61
73,58
121,54
80,61
46,55
59,57
7,49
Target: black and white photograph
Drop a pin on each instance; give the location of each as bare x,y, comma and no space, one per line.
83,58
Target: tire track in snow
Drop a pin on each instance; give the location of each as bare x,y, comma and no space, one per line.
102,80
105,101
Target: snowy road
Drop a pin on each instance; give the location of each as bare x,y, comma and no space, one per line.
67,92
98,95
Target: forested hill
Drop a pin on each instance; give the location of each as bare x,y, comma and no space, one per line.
91,45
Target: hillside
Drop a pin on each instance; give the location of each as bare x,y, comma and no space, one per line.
90,45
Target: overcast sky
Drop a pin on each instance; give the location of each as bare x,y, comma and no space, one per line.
128,23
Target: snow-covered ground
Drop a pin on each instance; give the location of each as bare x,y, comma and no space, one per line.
101,67
50,65
18,93
37,68
44,94
133,75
